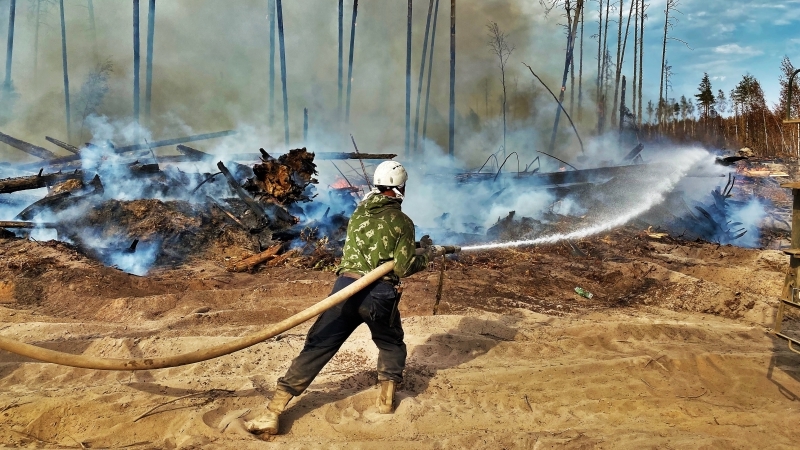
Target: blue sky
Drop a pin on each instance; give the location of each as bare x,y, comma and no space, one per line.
729,38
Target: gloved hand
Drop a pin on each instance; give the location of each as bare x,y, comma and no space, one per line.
425,241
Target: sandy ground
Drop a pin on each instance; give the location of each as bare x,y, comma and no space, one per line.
673,351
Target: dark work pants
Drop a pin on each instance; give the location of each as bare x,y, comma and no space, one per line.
377,306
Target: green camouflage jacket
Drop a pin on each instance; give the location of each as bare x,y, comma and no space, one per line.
379,232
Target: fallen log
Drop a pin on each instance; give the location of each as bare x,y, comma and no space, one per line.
130,148
60,201
70,148
317,156
27,147
248,263
22,224
10,185
192,154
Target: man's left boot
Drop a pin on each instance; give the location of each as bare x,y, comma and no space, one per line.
268,422
386,397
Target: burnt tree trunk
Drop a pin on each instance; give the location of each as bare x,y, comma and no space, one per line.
452,130
283,73
350,61
10,44
64,66
408,79
136,62
430,73
573,28
148,90
422,75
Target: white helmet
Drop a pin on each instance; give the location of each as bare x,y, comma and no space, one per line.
390,174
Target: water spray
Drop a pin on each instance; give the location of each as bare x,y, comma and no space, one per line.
654,197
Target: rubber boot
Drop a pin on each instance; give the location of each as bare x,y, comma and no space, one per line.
386,397
267,423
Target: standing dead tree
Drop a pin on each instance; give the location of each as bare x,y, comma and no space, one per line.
408,78
452,130
572,29
422,75
498,43
641,59
430,72
669,23
65,65
621,52
10,45
282,45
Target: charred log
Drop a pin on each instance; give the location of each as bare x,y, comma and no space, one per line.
10,185
249,263
130,148
27,147
70,148
28,225
62,201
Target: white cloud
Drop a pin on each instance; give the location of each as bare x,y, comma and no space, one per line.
736,49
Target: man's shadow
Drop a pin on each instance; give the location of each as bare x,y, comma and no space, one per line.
469,339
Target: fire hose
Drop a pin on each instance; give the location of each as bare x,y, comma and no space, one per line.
93,362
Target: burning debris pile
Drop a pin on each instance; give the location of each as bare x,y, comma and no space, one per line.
136,216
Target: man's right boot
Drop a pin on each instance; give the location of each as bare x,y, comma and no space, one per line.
386,397
267,423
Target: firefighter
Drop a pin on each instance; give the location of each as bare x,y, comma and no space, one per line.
378,232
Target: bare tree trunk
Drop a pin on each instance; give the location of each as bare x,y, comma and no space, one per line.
282,46
621,53
618,67
573,28
572,85
36,41
452,131
660,107
350,61
580,73
641,59
136,69
341,53
408,79
604,71
599,53
635,55
430,73
272,13
10,44
92,25
422,75
64,65
148,92
766,135
305,126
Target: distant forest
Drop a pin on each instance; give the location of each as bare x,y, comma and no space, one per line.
740,118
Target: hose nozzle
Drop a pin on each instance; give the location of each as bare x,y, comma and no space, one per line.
445,249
